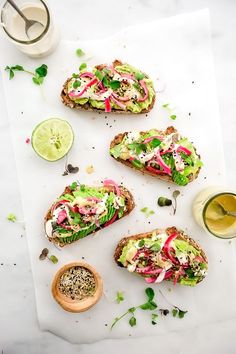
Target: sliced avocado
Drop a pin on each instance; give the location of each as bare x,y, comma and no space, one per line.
189,282
184,247
123,257
89,192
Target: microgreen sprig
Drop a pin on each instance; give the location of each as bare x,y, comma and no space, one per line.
176,311
38,75
148,305
164,201
119,297
170,111
44,254
147,211
11,217
80,52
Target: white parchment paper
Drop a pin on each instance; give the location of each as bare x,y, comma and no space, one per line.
176,53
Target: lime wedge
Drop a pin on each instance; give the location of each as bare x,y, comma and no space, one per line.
52,139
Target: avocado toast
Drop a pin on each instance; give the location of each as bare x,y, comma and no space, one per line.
82,210
163,255
117,88
162,154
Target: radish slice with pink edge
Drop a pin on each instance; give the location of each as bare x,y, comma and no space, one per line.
184,150
62,215
161,276
161,162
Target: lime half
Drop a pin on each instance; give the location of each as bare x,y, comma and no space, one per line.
52,139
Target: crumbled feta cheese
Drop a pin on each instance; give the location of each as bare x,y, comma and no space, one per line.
132,136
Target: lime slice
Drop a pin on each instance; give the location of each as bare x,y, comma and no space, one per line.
52,139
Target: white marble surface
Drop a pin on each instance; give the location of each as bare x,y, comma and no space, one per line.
19,329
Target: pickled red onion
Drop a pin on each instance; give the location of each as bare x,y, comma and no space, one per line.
145,89
109,182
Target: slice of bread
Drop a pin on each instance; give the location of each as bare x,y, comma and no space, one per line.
181,235
119,138
88,107
125,193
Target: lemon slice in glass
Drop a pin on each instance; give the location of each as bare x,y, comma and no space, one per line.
52,139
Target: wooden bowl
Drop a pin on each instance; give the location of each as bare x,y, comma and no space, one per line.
69,304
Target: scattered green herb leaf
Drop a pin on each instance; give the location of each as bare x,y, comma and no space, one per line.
150,293
54,259
82,66
163,201
79,52
182,313
119,297
99,75
174,312
82,187
73,186
75,76
139,76
141,243
132,321
132,309
137,86
149,305
76,84
177,312
154,318
155,142
167,106
147,212
37,80
105,81
114,84
156,247
11,217
42,70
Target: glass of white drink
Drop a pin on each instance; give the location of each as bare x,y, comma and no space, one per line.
41,39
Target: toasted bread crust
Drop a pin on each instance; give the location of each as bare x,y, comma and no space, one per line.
129,202
170,230
169,130
87,107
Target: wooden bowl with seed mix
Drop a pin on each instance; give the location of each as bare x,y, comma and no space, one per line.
77,287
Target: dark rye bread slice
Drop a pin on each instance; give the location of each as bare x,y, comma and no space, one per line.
87,107
129,202
119,138
170,230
